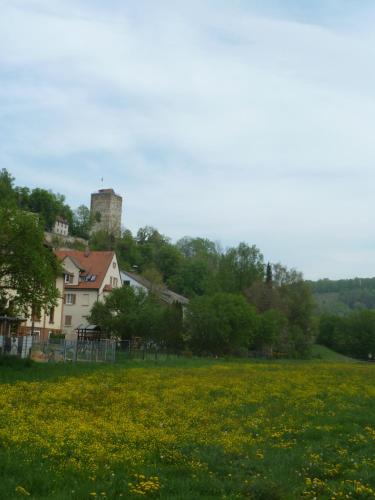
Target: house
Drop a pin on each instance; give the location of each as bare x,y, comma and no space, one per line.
44,323
139,282
88,277
135,281
61,227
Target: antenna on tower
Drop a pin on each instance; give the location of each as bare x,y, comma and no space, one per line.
102,181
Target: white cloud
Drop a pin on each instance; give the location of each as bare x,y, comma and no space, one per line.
216,121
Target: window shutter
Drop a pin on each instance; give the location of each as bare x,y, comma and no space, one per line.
64,298
74,298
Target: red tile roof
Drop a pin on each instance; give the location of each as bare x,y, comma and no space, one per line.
94,263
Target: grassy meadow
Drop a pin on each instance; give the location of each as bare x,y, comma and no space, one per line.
188,430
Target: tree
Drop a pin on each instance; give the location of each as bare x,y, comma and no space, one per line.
194,278
82,222
28,269
240,267
281,275
264,296
298,306
23,197
155,278
127,251
128,313
49,206
353,335
328,326
223,323
168,260
119,314
7,192
271,326
269,275
102,240
197,248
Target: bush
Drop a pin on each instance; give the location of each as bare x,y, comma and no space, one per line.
220,324
15,362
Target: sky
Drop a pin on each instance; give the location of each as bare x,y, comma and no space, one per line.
236,120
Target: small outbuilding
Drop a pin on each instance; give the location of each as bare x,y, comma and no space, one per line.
89,332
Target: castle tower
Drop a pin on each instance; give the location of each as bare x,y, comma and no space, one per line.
106,208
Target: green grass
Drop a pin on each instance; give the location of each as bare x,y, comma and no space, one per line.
206,428
326,354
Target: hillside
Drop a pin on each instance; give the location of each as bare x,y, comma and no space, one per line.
343,296
326,354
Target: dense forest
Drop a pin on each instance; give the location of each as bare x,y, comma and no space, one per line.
342,297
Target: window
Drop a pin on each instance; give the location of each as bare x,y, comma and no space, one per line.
35,313
52,315
113,281
68,321
68,278
114,265
88,277
70,299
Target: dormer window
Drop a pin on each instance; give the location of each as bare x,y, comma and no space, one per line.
68,278
88,277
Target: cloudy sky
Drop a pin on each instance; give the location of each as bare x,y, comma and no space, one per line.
238,120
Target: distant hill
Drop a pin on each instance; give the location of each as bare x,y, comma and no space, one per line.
343,296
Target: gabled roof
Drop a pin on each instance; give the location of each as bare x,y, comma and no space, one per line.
165,294
90,263
136,277
75,262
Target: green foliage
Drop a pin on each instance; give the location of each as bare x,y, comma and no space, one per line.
127,251
49,206
269,274
240,267
128,313
194,278
286,304
154,277
270,330
220,324
343,296
7,193
352,335
199,268
82,222
45,203
102,240
28,269
201,248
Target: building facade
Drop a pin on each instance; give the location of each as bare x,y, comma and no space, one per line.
88,278
61,227
44,323
106,211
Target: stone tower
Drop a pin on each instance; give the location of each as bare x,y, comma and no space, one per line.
106,208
